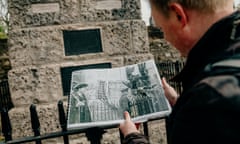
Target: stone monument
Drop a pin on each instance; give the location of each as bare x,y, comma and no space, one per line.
48,39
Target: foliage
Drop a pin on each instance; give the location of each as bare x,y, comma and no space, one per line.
3,35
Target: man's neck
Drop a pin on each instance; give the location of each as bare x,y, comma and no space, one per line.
201,22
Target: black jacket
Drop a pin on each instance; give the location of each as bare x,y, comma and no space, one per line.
208,110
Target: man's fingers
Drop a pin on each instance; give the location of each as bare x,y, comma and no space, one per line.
127,116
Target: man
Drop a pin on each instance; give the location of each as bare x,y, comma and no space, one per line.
208,110
81,103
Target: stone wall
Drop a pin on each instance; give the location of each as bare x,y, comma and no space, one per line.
161,49
36,50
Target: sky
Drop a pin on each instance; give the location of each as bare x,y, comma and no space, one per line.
237,2
3,10
145,10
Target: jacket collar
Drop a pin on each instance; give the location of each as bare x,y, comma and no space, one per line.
212,47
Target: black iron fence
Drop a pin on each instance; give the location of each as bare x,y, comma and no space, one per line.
169,70
94,135
5,97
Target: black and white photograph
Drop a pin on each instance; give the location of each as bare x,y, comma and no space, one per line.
100,96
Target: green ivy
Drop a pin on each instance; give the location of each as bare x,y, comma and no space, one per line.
3,35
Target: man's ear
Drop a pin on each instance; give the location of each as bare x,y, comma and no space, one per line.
180,13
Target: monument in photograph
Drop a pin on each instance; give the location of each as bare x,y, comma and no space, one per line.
48,39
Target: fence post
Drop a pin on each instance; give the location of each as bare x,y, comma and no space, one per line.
35,122
94,135
121,136
63,121
145,129
6,125
5,97
178,68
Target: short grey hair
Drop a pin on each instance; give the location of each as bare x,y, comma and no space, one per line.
205,6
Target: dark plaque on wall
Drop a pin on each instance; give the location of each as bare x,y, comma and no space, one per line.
77,42
66,74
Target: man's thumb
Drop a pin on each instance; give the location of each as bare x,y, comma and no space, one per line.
164,82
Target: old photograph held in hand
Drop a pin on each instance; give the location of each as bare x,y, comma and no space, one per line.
99,97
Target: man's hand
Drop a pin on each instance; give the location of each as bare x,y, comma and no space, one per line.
128,126
170,93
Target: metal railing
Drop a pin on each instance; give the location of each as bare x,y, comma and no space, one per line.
94,135
169,70
5,97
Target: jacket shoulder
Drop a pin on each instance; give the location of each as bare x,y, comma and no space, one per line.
225,85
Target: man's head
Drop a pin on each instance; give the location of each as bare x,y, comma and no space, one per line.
185,21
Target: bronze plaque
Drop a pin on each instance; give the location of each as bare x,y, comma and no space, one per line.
45,8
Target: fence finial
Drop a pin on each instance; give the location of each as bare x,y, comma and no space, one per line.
35,122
